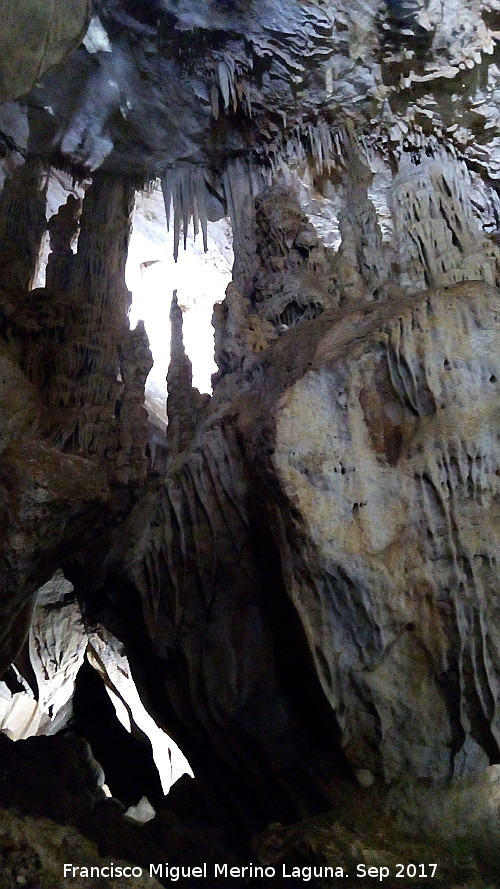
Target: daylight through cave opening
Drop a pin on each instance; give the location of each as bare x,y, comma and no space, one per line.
200,278
75,677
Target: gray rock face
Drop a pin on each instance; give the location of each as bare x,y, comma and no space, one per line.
370,429
36,852
466,812
35,36
390,540
367,453
178,91
66,417
186,556
329,521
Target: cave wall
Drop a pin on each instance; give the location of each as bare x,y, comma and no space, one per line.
73,381
344,474
363,434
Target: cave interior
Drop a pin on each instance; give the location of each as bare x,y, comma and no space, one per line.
256,626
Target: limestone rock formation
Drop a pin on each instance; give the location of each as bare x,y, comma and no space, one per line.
35,852
376,841
298,581
62,350
196,610
184,403
385,514
51,500
35,37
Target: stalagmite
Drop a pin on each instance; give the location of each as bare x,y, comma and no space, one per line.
184,402
135,363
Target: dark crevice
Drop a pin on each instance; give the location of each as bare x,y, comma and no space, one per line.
127,761
225,791
294,662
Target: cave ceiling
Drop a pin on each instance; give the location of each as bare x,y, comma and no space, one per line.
161,83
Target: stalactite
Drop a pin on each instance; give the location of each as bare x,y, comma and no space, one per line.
226,76
185,188
439,241
319,146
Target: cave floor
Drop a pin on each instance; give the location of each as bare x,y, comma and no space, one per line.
354,838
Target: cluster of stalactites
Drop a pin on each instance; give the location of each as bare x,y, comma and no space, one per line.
431,222
232,86
188,190
440,215
185,188
314,144
195,195
313,150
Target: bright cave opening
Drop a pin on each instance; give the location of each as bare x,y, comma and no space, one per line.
200,280
152,275
77,682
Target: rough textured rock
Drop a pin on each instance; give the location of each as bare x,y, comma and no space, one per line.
135,363
68,423
385,513
76,800
308,582
274,83
370,432
463,814
37,699
36,36
356,831
51,500
196,611
293,281
22,207
107,656
33,852
366,437
184,403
